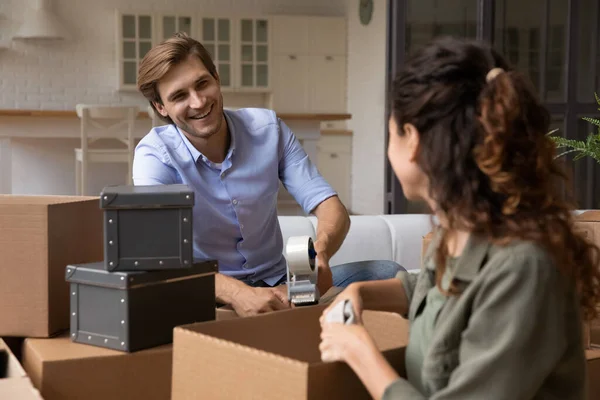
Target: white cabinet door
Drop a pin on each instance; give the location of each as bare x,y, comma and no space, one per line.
327,36
336,168
327,76
216,35
290,88
290,35
170,24
253,54
135,36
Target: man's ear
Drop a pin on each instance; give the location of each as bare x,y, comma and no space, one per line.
412,138
160,108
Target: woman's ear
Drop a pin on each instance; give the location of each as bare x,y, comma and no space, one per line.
412,137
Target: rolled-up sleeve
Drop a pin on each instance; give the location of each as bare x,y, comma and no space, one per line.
151,166
298,174
514,338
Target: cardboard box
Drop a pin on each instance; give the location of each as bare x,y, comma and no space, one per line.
588,224
274,356
61,369
15,384
40,235
593,373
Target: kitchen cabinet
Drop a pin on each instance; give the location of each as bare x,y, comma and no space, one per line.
309,64
335,163
171,24
327,88
290,83
240,47
253,54
135,37
216,35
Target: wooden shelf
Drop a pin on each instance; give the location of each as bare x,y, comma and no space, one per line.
144,114
336,132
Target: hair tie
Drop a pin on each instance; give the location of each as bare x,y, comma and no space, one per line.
494,72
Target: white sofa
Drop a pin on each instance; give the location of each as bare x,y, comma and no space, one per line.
371,237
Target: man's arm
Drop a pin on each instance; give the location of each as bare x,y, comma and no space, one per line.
332,228
150,166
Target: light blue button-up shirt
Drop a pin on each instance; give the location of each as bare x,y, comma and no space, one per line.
235,210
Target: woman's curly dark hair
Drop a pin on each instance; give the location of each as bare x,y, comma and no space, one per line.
485,149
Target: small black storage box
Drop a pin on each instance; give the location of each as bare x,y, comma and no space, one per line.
132,311
147,227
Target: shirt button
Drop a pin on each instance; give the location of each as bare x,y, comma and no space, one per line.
241,226
234,201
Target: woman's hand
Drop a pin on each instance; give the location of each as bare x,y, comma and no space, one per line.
340,342
352,293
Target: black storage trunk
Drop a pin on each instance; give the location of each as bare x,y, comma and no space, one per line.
132,311
147,227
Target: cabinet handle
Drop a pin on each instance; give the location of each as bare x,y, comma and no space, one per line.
333,155
329,58
292,57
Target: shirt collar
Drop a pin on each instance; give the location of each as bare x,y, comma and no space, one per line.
196,154
469,263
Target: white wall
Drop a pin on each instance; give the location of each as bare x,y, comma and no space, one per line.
55,75
366,103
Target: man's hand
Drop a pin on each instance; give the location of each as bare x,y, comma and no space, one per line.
252,301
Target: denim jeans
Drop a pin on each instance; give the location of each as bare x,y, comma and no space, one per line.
358,271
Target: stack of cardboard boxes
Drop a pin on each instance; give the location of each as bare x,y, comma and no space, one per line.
108,274
144,287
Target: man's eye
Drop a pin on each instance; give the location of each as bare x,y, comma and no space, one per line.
201,84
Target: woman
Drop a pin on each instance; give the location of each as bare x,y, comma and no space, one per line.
496,312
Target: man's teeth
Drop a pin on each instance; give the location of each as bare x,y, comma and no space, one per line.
202,115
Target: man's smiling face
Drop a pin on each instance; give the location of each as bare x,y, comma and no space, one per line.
192,98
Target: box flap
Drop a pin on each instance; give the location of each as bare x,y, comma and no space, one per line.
42,200
12,368
295,334
18,389
151,196
95,274
589,216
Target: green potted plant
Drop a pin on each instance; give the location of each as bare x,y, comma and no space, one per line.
588,148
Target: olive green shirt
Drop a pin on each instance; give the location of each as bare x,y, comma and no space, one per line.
514,332
422,328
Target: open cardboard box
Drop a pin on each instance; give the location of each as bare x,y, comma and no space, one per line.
274,356
62,369
14,383
40,236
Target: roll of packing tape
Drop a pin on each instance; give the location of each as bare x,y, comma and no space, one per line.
300,254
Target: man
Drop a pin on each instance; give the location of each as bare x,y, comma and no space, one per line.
233,160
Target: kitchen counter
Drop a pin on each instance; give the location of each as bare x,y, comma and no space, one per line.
19,127
144,115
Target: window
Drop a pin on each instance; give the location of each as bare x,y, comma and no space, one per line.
555,42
